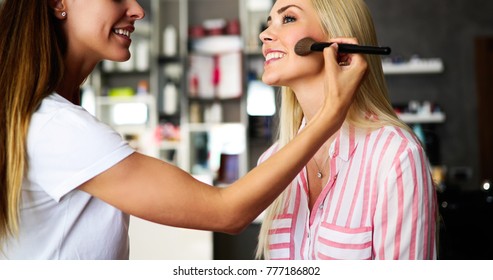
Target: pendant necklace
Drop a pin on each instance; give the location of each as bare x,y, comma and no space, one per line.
320,175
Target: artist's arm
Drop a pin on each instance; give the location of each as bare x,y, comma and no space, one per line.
157,191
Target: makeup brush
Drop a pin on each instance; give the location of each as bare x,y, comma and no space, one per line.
307,45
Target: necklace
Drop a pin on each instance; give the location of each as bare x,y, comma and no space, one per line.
320,175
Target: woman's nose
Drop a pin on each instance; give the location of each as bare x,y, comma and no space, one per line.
136,11
266,35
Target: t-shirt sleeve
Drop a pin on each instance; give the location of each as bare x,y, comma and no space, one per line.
70,148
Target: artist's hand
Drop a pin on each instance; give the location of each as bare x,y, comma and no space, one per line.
344,73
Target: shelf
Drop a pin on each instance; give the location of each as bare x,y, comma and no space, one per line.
254,52
110,100
170,59
422,118
214,99
414,66
123,72
206,127
169,145
220,44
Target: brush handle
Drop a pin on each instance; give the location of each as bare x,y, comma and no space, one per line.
351,48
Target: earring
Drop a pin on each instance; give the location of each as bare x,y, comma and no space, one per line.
64,14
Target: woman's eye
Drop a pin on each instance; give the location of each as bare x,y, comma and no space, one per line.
288,19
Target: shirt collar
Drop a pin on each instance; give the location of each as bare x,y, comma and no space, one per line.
346,141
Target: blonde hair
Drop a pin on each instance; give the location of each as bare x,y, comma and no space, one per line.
338,18
31,66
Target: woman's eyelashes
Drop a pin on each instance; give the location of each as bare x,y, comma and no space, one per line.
288,19
285,19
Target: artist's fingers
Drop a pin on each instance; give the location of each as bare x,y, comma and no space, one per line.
331,58
346,59
341,82
343,73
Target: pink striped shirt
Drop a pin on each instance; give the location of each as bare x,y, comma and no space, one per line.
379,202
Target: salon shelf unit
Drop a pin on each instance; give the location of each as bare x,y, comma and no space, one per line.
422,120
413,66
151,241
436,117
123,91
200,111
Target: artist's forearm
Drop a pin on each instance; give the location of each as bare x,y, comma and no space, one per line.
250,195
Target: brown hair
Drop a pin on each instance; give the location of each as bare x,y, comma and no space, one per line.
31,66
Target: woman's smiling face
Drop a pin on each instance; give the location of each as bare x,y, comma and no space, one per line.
100,29
289,21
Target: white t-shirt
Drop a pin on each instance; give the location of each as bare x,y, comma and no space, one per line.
66,147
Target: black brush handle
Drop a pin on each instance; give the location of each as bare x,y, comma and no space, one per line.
351,48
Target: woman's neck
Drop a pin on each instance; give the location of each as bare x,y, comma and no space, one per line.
310,96
73,77
69,91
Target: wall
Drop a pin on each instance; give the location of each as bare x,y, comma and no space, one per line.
446,29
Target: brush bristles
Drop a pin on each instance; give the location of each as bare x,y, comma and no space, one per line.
303,47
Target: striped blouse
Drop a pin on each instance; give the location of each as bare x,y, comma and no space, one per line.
379,202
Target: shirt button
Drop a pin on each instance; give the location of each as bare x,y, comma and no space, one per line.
321,206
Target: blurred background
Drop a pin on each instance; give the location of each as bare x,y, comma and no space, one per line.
191,95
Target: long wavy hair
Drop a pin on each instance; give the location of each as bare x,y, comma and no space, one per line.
31,66
338,18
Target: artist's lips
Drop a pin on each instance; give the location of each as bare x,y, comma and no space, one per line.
121,31
124,31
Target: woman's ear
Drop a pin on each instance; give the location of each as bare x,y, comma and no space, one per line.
58,7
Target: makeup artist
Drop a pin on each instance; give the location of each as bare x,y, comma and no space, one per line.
68,183
367,193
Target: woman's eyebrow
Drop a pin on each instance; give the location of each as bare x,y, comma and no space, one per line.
281,10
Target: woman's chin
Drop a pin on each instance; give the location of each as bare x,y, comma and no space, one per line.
270,81
121,57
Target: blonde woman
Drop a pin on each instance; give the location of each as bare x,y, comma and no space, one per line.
68,183
367,193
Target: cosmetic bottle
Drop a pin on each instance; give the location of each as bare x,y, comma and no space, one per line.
142,53
170,98
169,41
